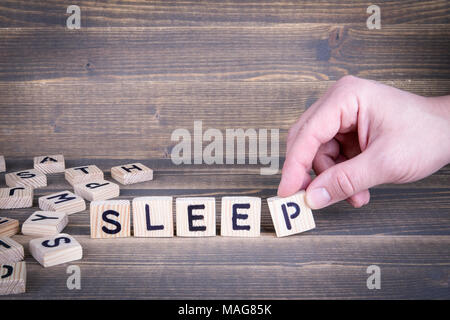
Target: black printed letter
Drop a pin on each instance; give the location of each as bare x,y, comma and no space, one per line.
149,225
237,216
192,217
293,216
114,222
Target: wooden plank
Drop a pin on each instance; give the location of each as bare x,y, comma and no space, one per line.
35,13
267,267
153,112
419,208
215,177
298,52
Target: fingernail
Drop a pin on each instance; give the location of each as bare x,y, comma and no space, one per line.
318,198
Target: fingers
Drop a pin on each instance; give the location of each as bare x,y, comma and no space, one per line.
328,156
348,179
322,125
293,131
359,199
336,112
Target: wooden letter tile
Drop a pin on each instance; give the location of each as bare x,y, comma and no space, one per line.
17,197
132,173
64,201
2,164
291,215
110,219
8,227
50,164
83,174
153,217
241,217
53,250
196,217
13,278
45,223
99,190
10,251
24,178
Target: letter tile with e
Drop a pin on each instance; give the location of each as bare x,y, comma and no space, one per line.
196,217
241,217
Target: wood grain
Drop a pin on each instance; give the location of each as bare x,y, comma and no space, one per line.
139,13
419,208
45,223
88,120
294,267
114,91
57,249
17,197
154,211
14,277
110,219
242,221
10,251
299,52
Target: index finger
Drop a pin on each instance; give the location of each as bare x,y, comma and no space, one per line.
338,111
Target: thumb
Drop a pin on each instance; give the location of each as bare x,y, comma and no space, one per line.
342,181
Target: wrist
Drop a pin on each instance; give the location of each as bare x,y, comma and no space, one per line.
440,107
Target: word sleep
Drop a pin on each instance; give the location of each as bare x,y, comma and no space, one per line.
111,218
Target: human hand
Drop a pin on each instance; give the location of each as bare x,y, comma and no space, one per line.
360,134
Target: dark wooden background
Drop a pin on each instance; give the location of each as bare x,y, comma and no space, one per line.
114,91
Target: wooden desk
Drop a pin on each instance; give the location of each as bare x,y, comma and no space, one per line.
114,91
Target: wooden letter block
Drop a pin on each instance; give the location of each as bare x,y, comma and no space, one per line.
54,250
196,217
8,227
18,197
64,201
153,217
241,217
13,278
83,174
45,223
50,164
99,190
132,173
26,178
2,164
291,215
110,219
10,251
